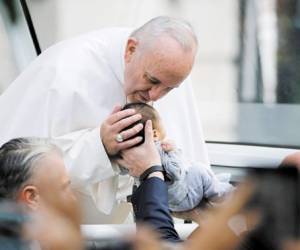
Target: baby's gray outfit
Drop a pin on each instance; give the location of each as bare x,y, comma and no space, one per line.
190,184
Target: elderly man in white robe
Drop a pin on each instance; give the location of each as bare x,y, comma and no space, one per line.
73,94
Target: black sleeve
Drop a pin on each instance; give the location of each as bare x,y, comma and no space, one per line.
150,205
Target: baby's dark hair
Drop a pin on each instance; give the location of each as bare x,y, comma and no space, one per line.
148,113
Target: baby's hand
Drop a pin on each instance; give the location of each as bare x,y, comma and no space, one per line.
168,145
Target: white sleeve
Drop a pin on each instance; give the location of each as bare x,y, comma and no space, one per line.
74,122
89,167
85,157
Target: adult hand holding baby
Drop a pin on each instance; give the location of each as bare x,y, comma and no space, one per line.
138,159
112,136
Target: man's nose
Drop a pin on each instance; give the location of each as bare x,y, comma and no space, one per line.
154,94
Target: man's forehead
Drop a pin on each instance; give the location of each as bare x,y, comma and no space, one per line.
51,165
169,70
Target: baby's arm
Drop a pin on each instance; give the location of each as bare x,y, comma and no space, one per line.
168,145
171,159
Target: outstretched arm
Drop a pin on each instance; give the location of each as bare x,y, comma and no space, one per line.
150,201
150,205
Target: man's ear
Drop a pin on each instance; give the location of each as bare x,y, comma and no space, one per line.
130,48
29,195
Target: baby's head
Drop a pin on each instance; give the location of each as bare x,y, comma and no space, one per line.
148,113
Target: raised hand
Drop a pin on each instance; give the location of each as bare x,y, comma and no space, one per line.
112,136
140,158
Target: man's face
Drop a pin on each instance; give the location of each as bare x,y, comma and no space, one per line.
150,73
52,180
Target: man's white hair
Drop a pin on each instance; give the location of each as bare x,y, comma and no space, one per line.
176,28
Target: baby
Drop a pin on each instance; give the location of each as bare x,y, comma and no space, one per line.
188,184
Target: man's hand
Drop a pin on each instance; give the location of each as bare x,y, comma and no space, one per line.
138,159
292,160
114,124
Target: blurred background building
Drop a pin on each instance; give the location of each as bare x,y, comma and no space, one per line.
246,76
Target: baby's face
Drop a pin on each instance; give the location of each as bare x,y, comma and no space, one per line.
159,133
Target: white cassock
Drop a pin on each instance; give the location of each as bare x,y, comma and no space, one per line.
67,92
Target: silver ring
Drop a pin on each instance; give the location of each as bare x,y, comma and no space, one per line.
119,137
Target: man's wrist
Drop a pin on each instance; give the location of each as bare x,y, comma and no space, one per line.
157,174
152,169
